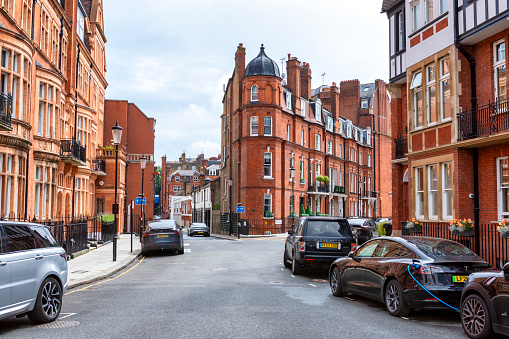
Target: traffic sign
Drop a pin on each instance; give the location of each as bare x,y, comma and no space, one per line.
138,201
241,209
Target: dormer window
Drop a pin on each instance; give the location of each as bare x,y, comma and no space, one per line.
254,93
349,130
303,107
177,178
289,100
195,178
364,103
318,110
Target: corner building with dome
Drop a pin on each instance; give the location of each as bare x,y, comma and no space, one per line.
273,123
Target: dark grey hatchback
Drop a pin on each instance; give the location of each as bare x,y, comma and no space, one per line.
163,235
317,241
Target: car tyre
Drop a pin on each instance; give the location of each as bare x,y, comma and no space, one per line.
297,268
336,285
180,251
286,262
48,303
395,302
475,317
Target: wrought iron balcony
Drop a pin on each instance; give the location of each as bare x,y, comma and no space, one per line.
401,147
322,188
5,112
70,149
373,194
339,189
484,120
99,166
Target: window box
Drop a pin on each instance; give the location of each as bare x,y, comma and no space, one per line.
339,189
302,181
469,233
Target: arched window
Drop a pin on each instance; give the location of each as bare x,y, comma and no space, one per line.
254,93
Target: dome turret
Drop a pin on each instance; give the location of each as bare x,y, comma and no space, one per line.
262,65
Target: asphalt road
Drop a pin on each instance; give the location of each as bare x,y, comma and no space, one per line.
225,289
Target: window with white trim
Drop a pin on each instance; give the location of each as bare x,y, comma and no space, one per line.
419,192
318,169
447,190
503,188
254,125
80,26
254,93
364,103
289,100
369,160
428,11
430,94
443,7
500,70
267,165
445,89
292,165
303,107
318,111
432,192
177,178
318,140
267,203
302,137
416,15
267,130
288,132
195,178
301,170
37,196
400,29
329,146
416,88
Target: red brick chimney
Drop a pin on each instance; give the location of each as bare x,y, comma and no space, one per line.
293,83
240,66
349,100
305,81
334,106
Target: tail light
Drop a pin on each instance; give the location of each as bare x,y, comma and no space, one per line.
64,256
146,235
302,246
430,270
354,247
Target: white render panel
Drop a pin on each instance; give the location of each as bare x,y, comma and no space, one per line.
461,28
403,56
393,68
392,46
460,3
492,9
470,17
502,6
481,12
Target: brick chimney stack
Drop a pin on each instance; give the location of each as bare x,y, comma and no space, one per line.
305,81
350,100
334,91
293,83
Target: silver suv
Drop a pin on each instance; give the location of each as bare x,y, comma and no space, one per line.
33,272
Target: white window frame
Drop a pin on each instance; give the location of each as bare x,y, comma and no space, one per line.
431,88
432,192
416,15
369,160
401,30
419,193
364,103
318,142
446,191
301,169
502,190
329,146
267,127
288,132
267,165
254,93
289,100
267,207
427,18
318,111
416,87
303,107
444,79
302,137
499,63
254,125
443,7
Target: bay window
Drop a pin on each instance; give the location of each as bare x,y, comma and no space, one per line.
432,192
419,193
416,88
445,89
500,71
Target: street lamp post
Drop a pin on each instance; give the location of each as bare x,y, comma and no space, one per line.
143,164
230,183
117,136
292,176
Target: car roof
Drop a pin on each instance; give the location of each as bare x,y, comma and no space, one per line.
322,218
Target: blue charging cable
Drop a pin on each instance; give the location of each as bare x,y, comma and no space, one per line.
424,288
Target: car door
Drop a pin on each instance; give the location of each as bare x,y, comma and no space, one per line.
291,239
5,276
24,261
354,273
501,301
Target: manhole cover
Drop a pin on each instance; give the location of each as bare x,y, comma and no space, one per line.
59,324
80,271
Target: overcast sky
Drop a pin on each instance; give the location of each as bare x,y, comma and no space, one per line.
171,58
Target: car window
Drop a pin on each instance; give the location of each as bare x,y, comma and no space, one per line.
392,249
299,226
19,238
328,228
367,250
441,249
2,240
43,237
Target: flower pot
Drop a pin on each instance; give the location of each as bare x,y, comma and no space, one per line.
469,233
415,230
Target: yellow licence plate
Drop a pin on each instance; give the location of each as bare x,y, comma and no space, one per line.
459,278
162,235
328,245
201,232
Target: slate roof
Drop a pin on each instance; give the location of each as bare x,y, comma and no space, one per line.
262,65
184,173
367,90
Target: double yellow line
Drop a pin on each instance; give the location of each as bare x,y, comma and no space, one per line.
103,281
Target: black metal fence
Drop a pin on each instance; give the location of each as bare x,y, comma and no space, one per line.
401,145
486,241
72,148
483,120
265,226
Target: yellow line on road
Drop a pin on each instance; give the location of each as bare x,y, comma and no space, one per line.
103,281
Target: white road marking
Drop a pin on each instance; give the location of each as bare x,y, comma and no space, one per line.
349,298
292,276
67,315
187,250
186,244
313,285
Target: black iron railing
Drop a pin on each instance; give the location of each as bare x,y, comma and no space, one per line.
373,194
72,148
99,165
5,108
322,187
339,189
483,120
401,147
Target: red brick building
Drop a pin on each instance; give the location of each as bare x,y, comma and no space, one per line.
271,124
137,141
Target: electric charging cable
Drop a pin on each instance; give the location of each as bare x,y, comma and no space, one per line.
424,288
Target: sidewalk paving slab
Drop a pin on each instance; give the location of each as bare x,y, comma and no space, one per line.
98,263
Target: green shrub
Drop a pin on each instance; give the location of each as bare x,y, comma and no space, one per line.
381,229
108,218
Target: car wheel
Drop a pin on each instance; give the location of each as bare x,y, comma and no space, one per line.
286,262
475,317
297,267
395,300
48,303
336,285
180,251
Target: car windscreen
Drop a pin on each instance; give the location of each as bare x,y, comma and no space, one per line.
444,250
328,228
356,222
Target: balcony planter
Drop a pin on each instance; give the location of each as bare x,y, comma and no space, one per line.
469,233
416,230
505,235
503,229
339,189
268,215
461,227
414,226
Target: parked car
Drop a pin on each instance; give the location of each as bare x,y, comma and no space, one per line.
379,220
316,241
485,304
33,272
379,270
162,235
198,228
364,228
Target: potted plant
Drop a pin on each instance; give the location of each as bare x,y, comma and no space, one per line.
293,215
308,211
503,228
463,227
302,180
268,214
414,226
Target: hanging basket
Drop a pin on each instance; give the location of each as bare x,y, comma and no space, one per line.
469,233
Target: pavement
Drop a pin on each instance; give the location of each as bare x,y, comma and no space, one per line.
97,263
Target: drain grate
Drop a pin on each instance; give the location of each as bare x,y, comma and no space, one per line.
59,324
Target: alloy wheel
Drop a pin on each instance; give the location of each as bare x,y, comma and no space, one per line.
392,297
473,317
50,299
334,281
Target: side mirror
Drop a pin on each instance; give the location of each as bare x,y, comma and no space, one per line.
506,272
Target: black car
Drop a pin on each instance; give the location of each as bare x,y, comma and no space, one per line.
390,270
316,241
162,235
364,228
485,304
